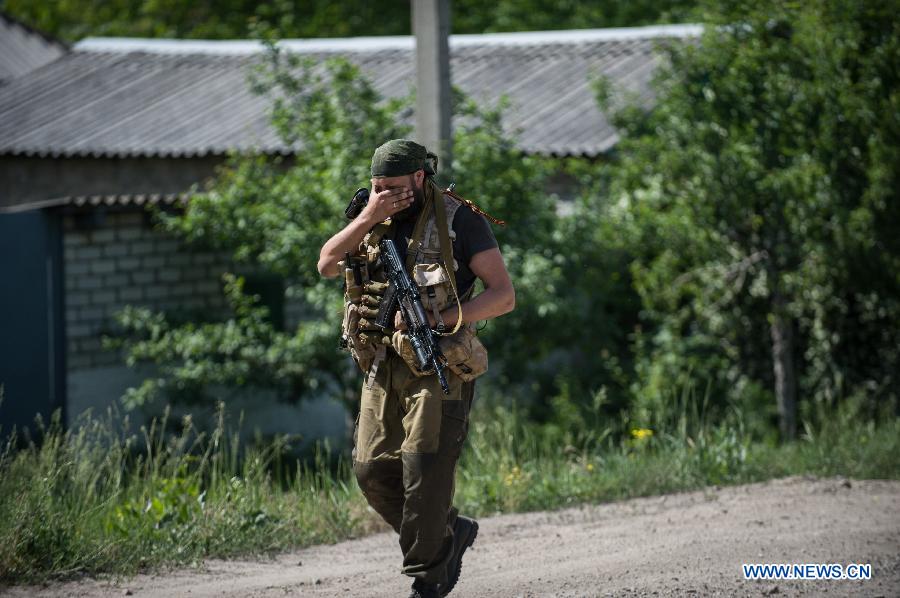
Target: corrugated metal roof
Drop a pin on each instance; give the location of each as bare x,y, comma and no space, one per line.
92,201
126,97
23,49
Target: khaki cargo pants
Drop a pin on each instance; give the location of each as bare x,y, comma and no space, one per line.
407,440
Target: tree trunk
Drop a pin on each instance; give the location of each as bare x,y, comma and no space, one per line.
782,331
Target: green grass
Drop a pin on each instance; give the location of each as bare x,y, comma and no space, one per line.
98,500
512,464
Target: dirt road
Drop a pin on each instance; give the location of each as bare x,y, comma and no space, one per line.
690,544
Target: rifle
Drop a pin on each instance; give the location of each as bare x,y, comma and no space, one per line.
359,201
402,292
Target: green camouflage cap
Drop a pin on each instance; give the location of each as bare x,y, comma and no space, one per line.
398,157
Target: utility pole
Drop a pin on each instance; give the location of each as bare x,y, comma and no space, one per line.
431,27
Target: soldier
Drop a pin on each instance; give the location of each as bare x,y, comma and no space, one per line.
409,433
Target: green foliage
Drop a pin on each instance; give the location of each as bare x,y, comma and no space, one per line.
230,19
72,20
760,190
574,304
757,196
242,351
174,502
471,16
596,305
99,499
276,216
272,216
491,171
513,463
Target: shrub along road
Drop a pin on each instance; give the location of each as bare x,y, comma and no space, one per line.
688,544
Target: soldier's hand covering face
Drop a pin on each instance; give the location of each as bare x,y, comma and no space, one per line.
385,201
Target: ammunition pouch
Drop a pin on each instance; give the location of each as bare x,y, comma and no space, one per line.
434,287
358,335
465,354
361,349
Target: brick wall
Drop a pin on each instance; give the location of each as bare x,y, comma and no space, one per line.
121,260
118,259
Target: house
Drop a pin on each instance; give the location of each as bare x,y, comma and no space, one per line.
90,137
24,49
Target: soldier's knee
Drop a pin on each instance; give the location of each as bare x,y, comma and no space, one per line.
378,477
363,473
382,488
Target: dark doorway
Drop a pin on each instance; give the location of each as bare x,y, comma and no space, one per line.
31,319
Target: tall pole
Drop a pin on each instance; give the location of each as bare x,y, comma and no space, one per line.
431,27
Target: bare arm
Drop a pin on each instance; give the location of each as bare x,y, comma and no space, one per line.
347,239
498,297
381,206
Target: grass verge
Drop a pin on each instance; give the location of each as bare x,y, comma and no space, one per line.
96,500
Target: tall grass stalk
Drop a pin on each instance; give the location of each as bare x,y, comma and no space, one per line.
96,499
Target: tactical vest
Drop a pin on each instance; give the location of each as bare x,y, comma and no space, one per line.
426,262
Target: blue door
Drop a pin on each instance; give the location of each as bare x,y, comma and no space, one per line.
31,319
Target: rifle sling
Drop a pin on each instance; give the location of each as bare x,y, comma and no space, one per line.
447,256
432,196
412,250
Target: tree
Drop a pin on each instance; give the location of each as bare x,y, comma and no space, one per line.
276,216
72,20
472,16
760,194
272,217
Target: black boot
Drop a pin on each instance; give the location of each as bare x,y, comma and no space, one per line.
422,589
464,532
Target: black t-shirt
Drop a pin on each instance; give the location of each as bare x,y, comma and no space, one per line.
473,235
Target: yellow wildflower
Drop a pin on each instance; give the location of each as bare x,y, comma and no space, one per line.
641,433
514,476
